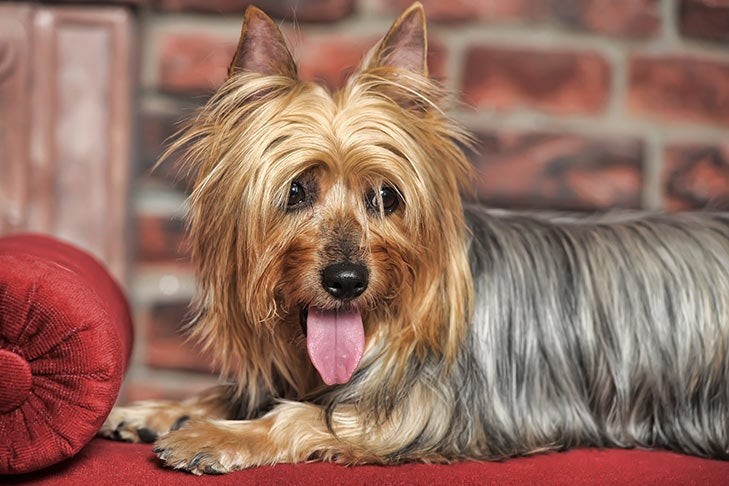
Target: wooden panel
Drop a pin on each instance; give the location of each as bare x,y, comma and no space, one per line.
15,48
80,135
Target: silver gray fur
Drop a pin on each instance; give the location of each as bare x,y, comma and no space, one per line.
608,331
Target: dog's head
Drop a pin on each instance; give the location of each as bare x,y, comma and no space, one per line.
337,212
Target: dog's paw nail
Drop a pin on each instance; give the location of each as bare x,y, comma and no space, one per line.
147,435
117,431
180,422
195,461
211,470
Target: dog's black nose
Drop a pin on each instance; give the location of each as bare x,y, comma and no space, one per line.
345,280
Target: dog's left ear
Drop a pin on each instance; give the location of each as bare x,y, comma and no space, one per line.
262,48
405,45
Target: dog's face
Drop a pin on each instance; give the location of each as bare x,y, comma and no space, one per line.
335,214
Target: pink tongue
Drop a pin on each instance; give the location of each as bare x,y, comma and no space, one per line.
335,341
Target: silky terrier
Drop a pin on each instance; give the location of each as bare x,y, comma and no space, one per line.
363,313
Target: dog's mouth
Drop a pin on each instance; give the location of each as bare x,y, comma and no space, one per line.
334,341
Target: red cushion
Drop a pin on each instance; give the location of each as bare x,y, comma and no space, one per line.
108,462
65,339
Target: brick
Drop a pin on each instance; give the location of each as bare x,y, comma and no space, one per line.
621,18
308,11
705,19
161,240
558,171
562,82
194,63
332,58
465,10
155,134
166,345
696,176
679,88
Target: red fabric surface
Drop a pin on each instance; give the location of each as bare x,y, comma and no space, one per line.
108,462
65,339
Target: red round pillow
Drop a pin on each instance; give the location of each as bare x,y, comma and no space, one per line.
65,340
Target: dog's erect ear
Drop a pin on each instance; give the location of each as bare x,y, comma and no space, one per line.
262,48
405,45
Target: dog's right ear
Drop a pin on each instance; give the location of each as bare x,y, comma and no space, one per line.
405,46
262,48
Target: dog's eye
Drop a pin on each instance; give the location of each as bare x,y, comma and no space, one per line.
296,195
389,197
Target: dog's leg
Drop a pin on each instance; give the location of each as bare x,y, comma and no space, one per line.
291,432
146,421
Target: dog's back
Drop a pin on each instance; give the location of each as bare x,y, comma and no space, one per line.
608,331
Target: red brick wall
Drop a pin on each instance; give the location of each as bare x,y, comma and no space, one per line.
576,104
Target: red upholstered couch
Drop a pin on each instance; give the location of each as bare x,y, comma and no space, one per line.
65,338
104,462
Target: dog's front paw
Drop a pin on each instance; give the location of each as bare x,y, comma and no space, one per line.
143,421
200,448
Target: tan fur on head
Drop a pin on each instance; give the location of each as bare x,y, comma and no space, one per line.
257,263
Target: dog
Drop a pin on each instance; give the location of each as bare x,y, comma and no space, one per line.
364,313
